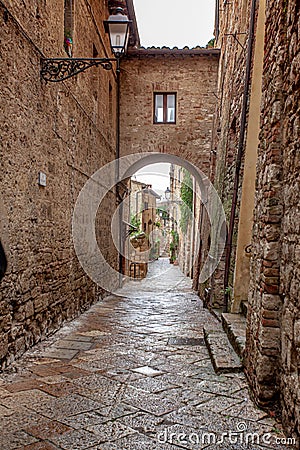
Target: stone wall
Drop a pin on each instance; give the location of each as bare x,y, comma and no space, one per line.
273,319
232,41
184,221
272,349
263,345
290,255
63,130
193,76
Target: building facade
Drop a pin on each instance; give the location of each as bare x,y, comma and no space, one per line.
150,75
141,240
54,136
231,111
184,207
275,265
255,167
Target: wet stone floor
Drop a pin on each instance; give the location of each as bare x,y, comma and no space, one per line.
132,373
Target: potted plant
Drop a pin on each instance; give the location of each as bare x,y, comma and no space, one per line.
172,252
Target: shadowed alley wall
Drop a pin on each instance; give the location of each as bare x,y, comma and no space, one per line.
66,131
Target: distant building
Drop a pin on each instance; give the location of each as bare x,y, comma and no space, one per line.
141,244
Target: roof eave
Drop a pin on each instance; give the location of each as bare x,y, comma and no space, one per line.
132,16
156,51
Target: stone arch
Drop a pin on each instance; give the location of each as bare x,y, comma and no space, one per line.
153,158
104,180
208,197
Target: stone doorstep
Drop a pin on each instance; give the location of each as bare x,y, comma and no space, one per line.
223,357
235,327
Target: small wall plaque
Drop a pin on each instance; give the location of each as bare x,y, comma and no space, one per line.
42,179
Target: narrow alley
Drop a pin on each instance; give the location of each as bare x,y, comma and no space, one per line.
133,372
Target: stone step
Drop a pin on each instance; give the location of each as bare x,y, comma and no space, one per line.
223,357
235,327
244,308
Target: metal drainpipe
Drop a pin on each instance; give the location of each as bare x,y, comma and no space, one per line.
194,228
118,173
239,154
3,261
197,274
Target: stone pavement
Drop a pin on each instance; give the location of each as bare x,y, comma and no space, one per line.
132,373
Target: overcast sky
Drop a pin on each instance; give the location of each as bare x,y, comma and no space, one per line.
175,22
155,174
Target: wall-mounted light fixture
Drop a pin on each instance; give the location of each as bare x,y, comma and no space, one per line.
167,194
60,69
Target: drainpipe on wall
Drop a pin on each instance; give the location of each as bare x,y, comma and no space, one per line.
3,261
239,154
119,199
194,236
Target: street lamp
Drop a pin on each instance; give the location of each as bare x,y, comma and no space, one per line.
60,69
167,194
117,26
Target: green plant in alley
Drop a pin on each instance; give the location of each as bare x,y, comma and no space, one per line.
136,223
163,213
186,195
174,245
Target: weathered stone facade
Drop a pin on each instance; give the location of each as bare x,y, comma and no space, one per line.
268,173
140,241
273,320
146,71
67,131
192,75
231,26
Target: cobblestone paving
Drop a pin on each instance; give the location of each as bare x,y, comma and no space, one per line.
120,378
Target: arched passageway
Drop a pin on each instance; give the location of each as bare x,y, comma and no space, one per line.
114,173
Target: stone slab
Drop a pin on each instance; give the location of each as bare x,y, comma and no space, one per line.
148,371
223,357
235,328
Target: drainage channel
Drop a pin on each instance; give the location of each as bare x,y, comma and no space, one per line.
186,341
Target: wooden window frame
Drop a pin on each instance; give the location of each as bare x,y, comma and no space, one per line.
165,108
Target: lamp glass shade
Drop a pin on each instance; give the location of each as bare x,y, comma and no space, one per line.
117,26
167,194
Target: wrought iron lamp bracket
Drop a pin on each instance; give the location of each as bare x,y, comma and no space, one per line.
60,69
248,249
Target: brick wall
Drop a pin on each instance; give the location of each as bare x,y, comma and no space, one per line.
290,255
273,322
193,78
272,350
64,131
232,41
